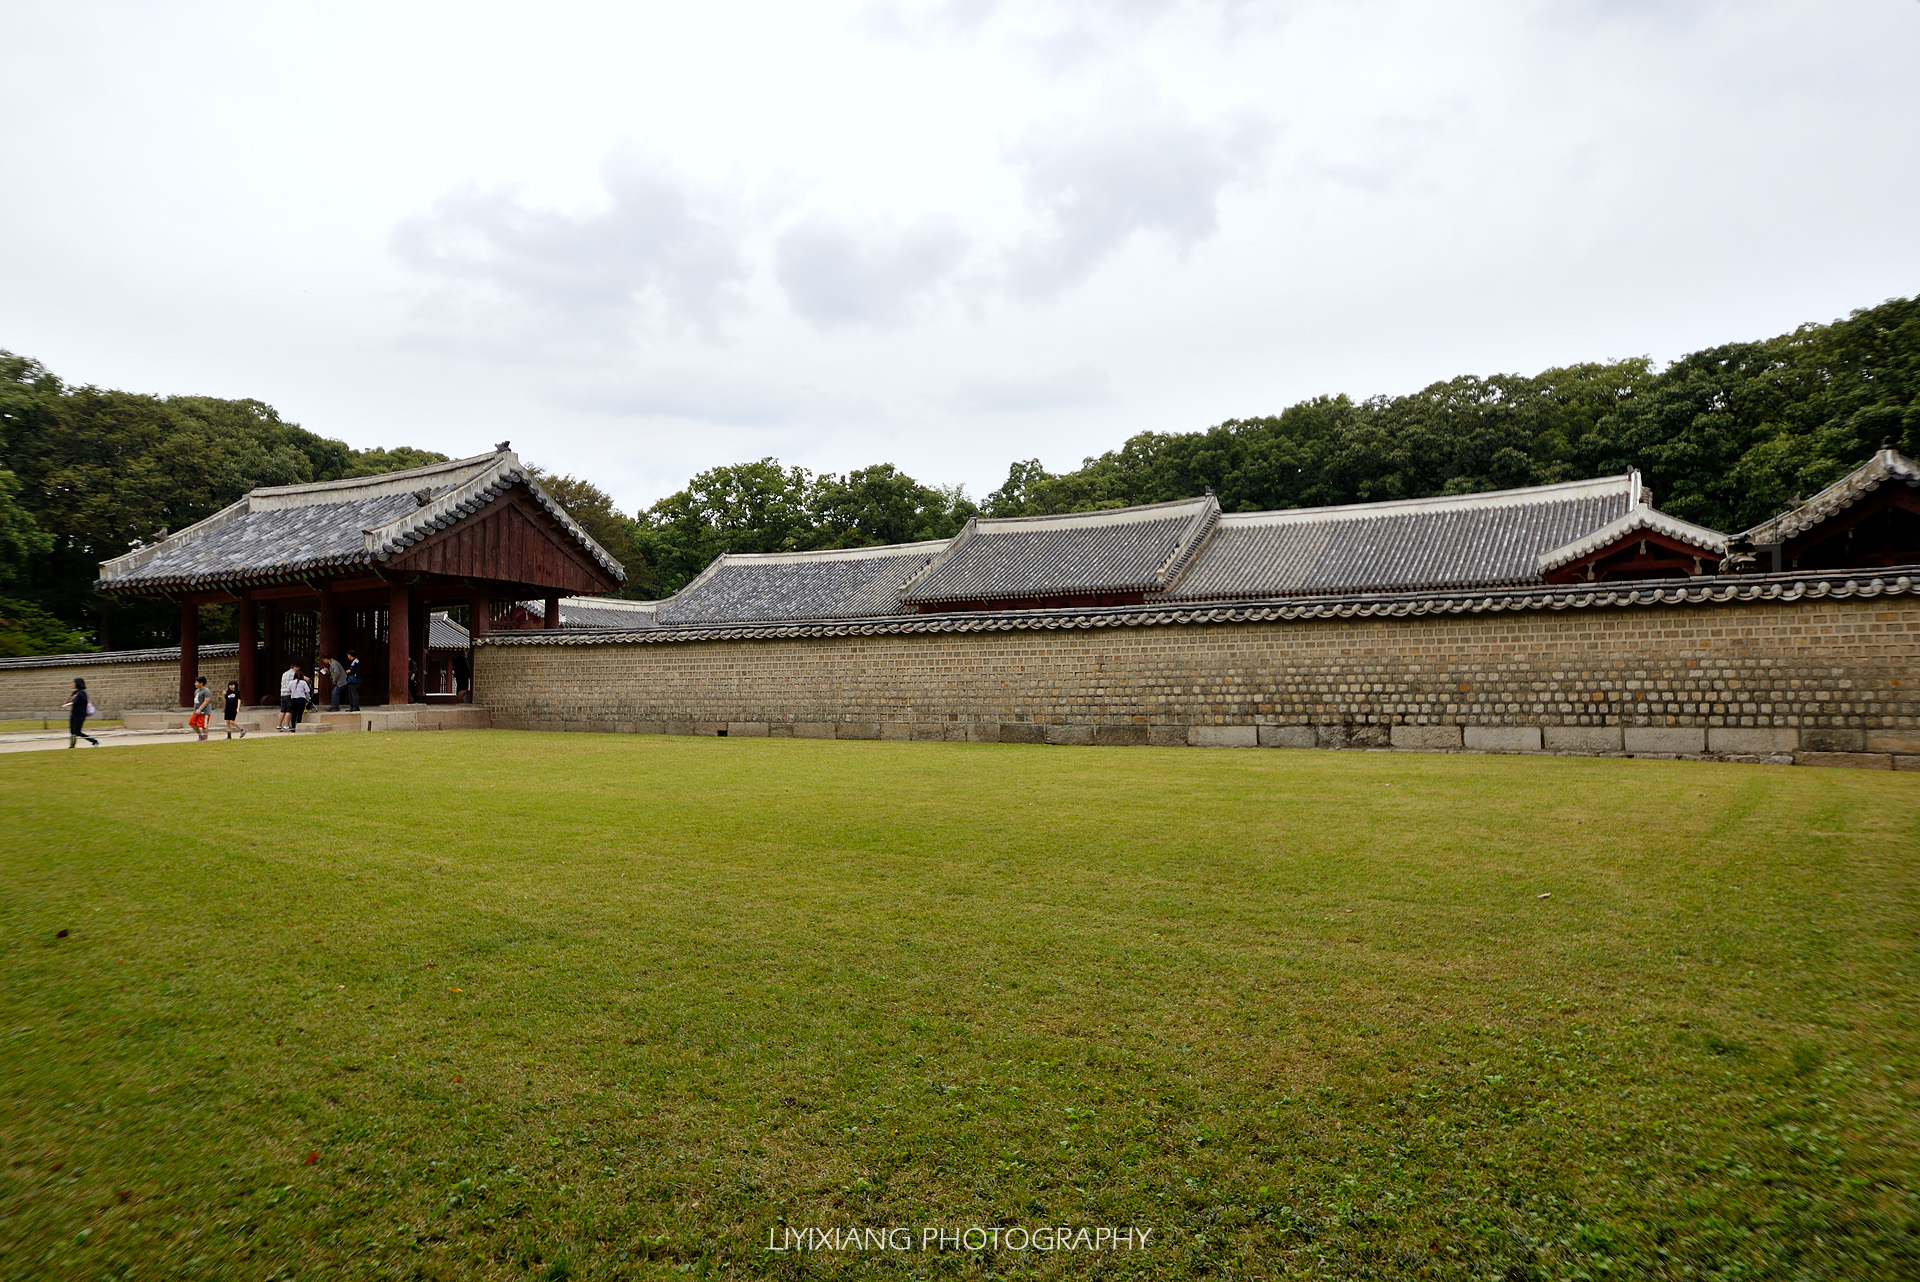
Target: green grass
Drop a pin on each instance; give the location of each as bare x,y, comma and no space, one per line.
580,1006
21,726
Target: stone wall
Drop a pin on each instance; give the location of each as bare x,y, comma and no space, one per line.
1834,681
116,681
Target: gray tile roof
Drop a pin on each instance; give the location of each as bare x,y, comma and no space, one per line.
839,584
598,612
1131,549
445,634
1888,466
278,531
1468,540
1523,599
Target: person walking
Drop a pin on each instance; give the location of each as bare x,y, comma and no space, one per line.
202,707
82,707
297,704
232,710
336,678
353,678
287,679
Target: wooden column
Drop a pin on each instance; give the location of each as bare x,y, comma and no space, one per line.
553,612
479,623
399,641
329,643
276,652
249,658
189,650
422,631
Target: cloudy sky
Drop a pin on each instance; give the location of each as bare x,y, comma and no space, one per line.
641,240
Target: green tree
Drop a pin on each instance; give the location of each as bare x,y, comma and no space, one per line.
881,504
747,507
20,539
104,471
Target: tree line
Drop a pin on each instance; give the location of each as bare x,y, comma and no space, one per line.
1726,436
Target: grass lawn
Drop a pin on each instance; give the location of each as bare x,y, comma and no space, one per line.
19,726
519,1005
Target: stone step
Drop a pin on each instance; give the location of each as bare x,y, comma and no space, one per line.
417,716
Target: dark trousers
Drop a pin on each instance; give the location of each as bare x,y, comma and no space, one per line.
297,706
353,694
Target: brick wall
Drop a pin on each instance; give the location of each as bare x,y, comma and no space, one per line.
38,691
1749,679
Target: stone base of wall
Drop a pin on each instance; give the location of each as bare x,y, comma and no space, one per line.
1457,740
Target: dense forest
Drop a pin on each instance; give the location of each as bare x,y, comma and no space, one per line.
1725,436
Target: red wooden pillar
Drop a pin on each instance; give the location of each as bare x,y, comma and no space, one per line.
189,650
479,623
399,641
422,632
329,643
249,658
276,652
553,612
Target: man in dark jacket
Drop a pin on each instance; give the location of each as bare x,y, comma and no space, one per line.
353,679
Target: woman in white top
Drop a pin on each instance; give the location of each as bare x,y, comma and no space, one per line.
299,693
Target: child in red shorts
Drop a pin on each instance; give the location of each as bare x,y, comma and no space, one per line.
202,705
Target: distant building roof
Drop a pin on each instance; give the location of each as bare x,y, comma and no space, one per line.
598,612
444,633
277,531
1888,466
1121,550
1406,545
837,584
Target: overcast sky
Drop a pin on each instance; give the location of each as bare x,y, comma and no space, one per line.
641,240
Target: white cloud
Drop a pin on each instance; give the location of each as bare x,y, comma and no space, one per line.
1098,187
833,276
943,236
650,251
1080,385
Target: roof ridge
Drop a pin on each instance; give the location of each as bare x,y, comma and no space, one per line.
1092,515
380,480
831,554
1489,498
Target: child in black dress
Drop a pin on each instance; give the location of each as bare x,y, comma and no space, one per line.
233,710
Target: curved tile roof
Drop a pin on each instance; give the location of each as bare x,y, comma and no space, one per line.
1711,542
1889,465
1408,545
1129,549
598,612
283,530
1526,598
837,584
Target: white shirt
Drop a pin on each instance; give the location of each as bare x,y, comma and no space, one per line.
286,683
300,689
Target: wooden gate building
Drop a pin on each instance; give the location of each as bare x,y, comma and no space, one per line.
361,565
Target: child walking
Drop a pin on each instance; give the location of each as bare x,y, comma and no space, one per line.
232,710
82,706
202,706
